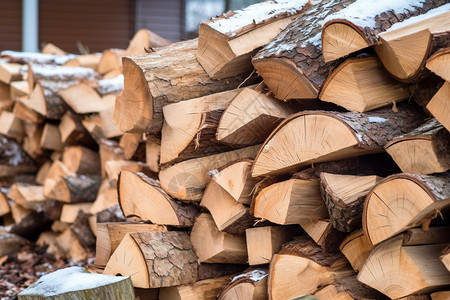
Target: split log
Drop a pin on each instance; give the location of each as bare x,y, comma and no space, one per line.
152,152
403,201
445,257
13,159
10,72
188,179
130,142
214,246
5,91
189,129
398,271
155,259
150,83
81,160
290,202
292,64
358,26
59,286
19,89
28,196
356,248
250,118
143,197
318,136
344,197
207,289
229,215
439,105
73,189
90,60
68,244
111,60
348,288
324,234
28,223
425,150
362,84
11,126
74,133
438,63
440,295
11,243
406,46
301,267
80,228
51,138
264,242
143,41
50,48
109,236
4,205
114,167
83,99
109,150
26,114
44,100
227,42
70,211
250,285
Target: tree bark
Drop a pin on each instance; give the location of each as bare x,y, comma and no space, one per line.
251,285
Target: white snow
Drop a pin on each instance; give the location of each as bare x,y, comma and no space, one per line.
61,72
376,120
112,85
255,14
213,173
431,13
255,275
362,12
69,280
39,57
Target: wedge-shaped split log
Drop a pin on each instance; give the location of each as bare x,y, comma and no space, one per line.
301,267
324,234
141,196
110,234
264,242
151,81
250,118
438,63
155,259
359,25
439,106
214,246
190,127
344,197
349,288
356,248
290,202
187,180
425,150
77,283
318,136
362,84
398,271
206,289
227,42
404,201
405,48
249,285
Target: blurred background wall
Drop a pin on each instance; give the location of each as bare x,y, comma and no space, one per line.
94,25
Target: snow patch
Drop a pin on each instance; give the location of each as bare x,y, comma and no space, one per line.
69,280
431,13
62,72
363,12
255,275
255,14
112,85
213,173
39,57
376,120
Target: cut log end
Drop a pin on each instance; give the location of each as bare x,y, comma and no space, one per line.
134,108
284,79
340,39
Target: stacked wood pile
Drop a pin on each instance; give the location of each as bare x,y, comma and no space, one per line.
242,189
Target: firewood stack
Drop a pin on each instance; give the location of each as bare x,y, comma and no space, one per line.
328,177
